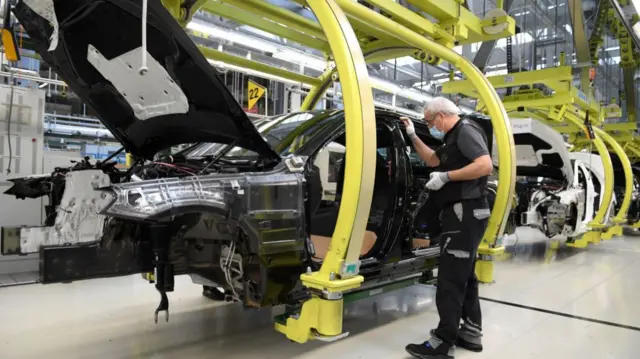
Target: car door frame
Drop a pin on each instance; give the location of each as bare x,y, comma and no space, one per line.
394,245
334,130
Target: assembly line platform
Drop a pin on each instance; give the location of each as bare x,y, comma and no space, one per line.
564,303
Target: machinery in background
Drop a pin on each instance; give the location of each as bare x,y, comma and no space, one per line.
512,219
633,214
556,194
593,163
21,154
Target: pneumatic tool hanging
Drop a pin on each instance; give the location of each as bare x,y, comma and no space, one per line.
163,267
422,199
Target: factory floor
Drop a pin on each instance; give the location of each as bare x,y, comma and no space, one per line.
555,304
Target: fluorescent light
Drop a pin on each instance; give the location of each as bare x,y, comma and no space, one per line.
232,36
568,28
251,72
496,73
259,32
496,66
521,13
314,62
614,48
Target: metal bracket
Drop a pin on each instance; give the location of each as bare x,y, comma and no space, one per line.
153,94
348,270
295,164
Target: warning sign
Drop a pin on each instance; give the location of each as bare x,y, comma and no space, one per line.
255,93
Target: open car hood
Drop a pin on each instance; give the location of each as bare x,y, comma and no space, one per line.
95,46
540,150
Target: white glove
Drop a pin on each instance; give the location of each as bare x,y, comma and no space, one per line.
408,124
437,180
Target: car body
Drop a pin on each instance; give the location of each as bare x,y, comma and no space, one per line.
556,193
633,214
247,208
593,163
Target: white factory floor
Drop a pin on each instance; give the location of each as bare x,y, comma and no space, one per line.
575,304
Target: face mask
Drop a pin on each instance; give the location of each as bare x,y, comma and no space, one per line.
436,133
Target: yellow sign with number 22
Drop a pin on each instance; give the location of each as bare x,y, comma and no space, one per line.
255,93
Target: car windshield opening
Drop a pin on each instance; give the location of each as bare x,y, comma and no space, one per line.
273,130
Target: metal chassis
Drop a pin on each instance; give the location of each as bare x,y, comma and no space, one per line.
343,31
343,27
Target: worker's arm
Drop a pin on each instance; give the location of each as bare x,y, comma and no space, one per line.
481,166
473,145
426,154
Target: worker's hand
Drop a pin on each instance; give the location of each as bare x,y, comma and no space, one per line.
437,180
408,124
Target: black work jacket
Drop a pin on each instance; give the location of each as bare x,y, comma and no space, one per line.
451,158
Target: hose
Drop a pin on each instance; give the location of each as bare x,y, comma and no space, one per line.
143,65
9,114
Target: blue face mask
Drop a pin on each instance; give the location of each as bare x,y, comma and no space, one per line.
436,133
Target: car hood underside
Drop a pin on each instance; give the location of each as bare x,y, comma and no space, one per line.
96,47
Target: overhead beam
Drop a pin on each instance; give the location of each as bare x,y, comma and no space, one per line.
580,41
628,75
620,14
462,23
363,29
289,18
620,127
557,78
289,31
257,66
413,21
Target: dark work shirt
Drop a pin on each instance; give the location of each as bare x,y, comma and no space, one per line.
464,143
472,142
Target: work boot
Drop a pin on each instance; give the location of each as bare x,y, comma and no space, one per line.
213,293
434,348
469,338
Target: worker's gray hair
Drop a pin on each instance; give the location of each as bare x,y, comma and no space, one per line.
442,105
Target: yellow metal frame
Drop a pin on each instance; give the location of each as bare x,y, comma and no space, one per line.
347,28
497,113
600,220
566,111
330,75
322,315
462,23
559,79
499,119
360,139
621,216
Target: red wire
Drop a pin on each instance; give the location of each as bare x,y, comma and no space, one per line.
175,167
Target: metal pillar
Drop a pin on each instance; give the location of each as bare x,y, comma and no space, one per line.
321,316
497,113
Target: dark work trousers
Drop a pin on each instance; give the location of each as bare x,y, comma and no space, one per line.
463,225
